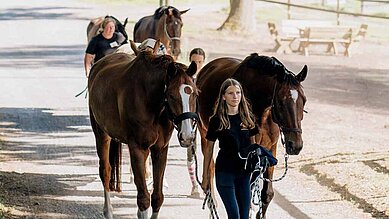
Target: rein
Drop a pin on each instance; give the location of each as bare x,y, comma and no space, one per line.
208,197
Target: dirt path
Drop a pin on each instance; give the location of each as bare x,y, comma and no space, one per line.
48,164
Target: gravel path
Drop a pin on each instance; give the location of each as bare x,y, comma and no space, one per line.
48,163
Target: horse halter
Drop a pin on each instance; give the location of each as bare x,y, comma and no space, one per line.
181,117
275,118
167,33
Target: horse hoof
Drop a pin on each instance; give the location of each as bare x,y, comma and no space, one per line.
108,215
195,193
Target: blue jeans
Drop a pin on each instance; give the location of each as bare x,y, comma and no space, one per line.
234,190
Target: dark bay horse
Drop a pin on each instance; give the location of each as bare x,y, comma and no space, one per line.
94,27
138,102
165,25
276,96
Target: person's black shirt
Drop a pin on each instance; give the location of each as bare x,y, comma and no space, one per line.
230,140
100,46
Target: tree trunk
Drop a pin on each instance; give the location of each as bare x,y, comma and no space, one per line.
165,2
241,17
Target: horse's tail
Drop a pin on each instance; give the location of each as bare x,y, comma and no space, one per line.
115,160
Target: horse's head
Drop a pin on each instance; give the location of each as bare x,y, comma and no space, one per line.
269,84
288,107
181,95
172,29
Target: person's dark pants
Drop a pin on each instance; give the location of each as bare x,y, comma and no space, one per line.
234,190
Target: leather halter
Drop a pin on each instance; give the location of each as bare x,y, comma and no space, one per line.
275,118
167,33
179,118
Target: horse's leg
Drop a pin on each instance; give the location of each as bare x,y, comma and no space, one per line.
159,158
138,159
102,146
267,192
211,170
190,163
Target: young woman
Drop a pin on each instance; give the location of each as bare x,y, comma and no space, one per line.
233,125
198,56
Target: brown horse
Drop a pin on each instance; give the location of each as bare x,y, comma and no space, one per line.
138,102
165,25
276,96
94,27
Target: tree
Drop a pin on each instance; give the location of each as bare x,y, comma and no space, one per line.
241,17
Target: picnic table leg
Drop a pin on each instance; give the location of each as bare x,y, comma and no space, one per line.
335,49
347,49
283,47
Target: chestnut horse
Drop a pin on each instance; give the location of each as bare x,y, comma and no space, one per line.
94,27
165,25
276,96
138,102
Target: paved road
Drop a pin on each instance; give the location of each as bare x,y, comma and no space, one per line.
48,135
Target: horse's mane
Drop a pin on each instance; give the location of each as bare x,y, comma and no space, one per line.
161,61
162,10
270,66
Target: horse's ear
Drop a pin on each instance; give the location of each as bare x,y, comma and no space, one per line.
171,72
183,12
303,74
134,47
192,69
156,47
125,22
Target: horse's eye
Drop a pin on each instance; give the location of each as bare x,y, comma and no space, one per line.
188,90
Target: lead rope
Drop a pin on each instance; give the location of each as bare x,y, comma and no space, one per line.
208,197
255,186
85,89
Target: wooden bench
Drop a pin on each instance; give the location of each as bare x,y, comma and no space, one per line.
329,35
283,43
357,39
290,32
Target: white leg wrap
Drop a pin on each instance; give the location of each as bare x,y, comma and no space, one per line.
154,215
108,210
143,214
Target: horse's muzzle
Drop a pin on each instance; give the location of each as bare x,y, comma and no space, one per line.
292,148
186,140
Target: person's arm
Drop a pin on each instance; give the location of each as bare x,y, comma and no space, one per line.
252,140
208,156
88,63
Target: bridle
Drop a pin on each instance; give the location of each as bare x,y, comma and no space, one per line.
274,113
170,38
176,120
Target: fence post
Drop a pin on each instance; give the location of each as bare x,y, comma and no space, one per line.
288,9
337,12
361,6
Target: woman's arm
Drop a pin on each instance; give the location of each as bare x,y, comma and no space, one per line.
208,156
252,140
88,63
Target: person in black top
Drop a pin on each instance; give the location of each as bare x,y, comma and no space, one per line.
233,125
103,44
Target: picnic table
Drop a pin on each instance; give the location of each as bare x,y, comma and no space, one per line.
312,32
